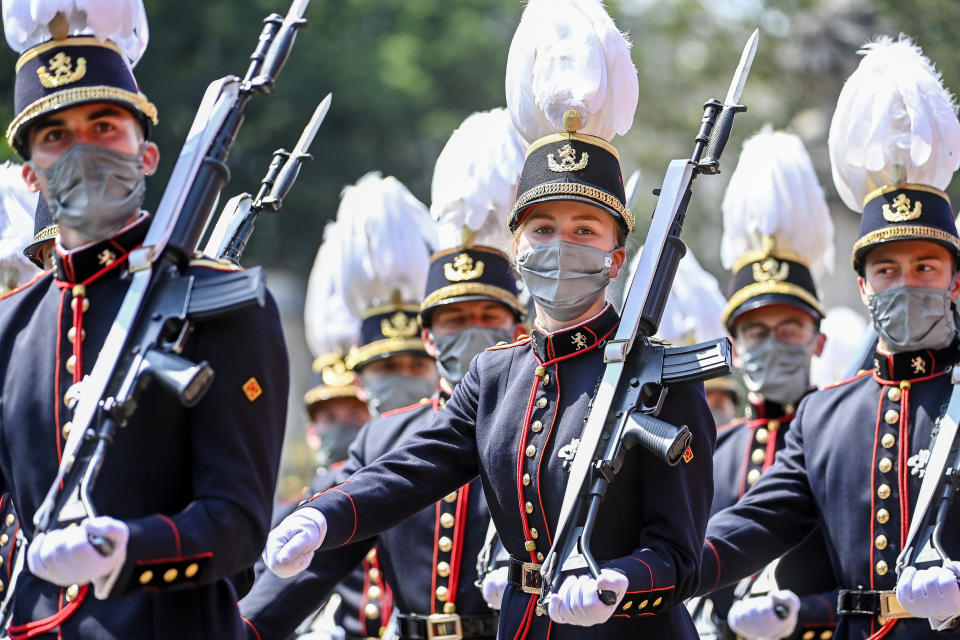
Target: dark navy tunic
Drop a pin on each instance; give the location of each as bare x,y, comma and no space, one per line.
847,466
746,448
428,561
194,486
518,406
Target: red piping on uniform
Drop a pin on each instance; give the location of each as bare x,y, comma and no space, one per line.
904,450
152,561
546,523
648,569
354,507
456,553
828,607
56,381
772,442
520,453
48,624
873,483
436,558
250,624
13,547
911,380
32,280
176,534
651,590
884,630
717,556
524,623
848,380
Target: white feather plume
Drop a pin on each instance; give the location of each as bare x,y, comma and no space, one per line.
774,192
895,122
330,326
124,22
475,181
568,54
847,341
385,242
694,306
17,208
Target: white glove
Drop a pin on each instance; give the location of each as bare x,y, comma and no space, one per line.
757,617
931,593
291,544
65,556
493,586
577,601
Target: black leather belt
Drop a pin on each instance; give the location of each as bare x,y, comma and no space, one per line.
525,576
883,604
446,626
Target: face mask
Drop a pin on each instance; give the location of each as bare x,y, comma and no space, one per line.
455,351
778,371
335,440
563,277
95,190
913,318
395,391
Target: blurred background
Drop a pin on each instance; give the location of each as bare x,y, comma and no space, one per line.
405,73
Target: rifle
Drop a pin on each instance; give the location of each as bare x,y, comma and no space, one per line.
163,301
623,415
235,224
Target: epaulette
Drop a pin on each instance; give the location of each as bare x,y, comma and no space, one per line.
25,285
859,375
522,340
409,407
220,264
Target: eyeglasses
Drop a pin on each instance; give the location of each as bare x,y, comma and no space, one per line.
789,332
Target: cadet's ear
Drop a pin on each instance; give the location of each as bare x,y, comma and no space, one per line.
866,290
31,177
428,343
819,344
151,158
955,290
618,257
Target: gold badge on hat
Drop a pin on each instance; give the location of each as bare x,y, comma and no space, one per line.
901,211
399,325
770,269
568,159
63,71
463,268
334,373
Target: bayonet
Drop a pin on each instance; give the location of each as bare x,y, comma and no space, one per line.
743,69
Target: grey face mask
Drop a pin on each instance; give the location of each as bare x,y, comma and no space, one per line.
397,390
563,277
778,371
455,351
335,441
913,318
95,190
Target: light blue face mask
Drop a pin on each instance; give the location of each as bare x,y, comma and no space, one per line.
565,278
913,318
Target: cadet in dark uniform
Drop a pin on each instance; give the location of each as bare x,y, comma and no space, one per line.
773,315
513,417
852,456
45,231
186,493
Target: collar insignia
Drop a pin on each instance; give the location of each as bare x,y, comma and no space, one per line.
399,325
579,340
63,71
770,269
463,268
919,365
106,257
568,159
901,211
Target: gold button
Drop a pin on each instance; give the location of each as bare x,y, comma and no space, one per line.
882,568
170,575
885,465
541,403
894,394
373,592
11,519
892,416
442,594
643,605
72,592
1,561
538,611
627,605
888,440
809,635
826,634
758,456
72,334
657,602
371,611
530,545
536,426
450,497
528,507
531,451
539,557
883,516
374,573
534,534
78,291
446,520
546,379
146,577
71,364
4,539
773,425
446,543
371,556
191,570
2,586
883,491
753,476
540,372
448,607
526,479
762,435
443,569
881,542
86,304
66,429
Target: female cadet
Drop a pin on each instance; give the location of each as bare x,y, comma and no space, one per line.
518,412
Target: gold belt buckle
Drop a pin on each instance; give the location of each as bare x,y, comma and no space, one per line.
530,579
890,607
444,626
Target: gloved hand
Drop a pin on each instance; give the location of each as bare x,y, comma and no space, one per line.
65,556
493,586
291,544
931,593
577,601
757,617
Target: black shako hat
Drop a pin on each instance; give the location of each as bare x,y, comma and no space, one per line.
387,331
331,379
44,230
